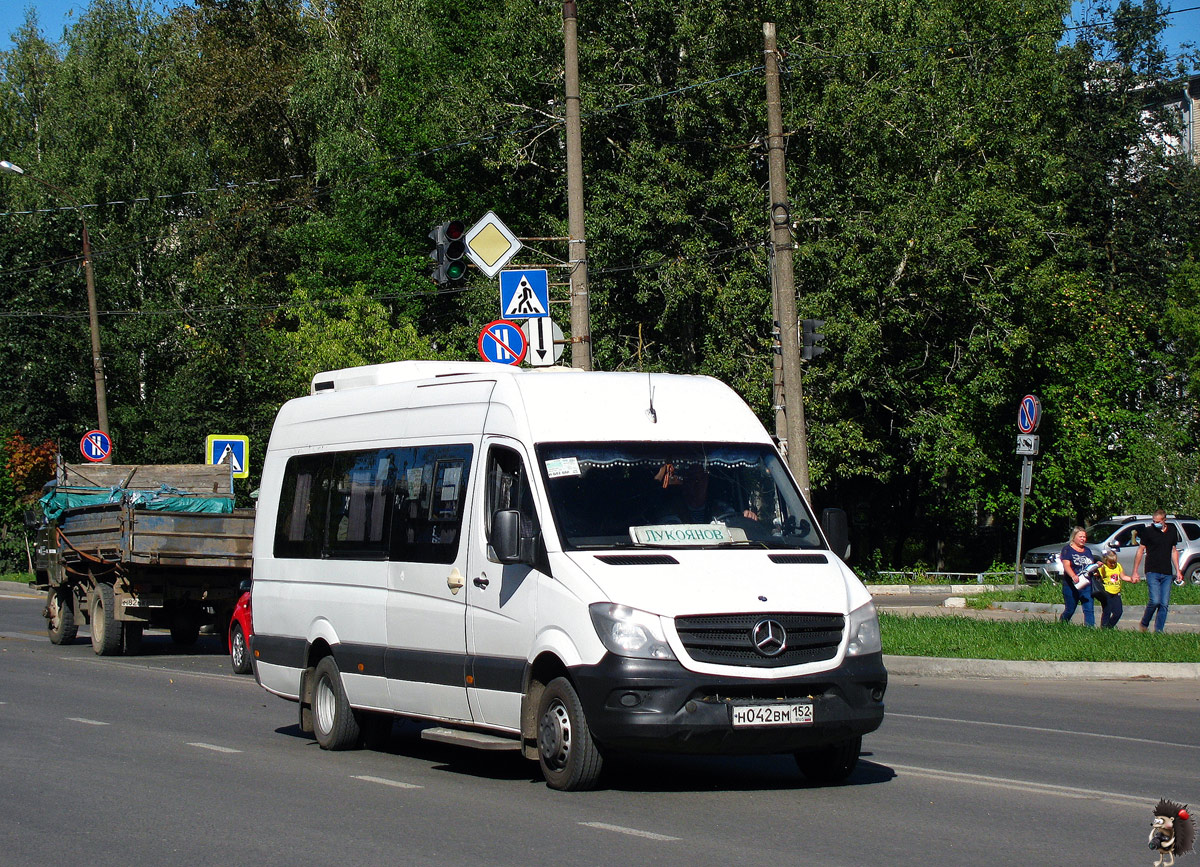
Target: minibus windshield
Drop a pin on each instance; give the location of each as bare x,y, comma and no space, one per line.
660,495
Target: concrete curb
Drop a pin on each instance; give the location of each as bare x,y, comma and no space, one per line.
932,589
928,666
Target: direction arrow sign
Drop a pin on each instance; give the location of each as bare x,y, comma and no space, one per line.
96,446
231,449
524,294
490,244
545,341
502,342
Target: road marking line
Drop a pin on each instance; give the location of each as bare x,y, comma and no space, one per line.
87,722
214,748
1121,798
1071,733
632,832
18,596
396,784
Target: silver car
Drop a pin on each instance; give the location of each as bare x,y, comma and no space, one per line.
1121,533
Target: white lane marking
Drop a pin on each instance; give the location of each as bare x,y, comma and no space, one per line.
1074,734
632,832
87,722
1121,798
214,748
383,781
128,664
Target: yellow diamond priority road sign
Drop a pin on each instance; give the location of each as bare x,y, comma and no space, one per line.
491,245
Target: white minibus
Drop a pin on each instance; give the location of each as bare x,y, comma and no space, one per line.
559,562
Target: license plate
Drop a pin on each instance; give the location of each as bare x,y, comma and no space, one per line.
750,715
1029,570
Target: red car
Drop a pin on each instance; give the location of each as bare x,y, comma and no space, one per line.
241,628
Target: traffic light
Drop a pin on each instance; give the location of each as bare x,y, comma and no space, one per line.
449,269
810,337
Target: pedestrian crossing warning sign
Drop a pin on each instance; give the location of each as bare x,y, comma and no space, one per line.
231,449
524,294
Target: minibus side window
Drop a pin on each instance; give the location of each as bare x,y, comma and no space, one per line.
428,499
508,487
303,506
360,492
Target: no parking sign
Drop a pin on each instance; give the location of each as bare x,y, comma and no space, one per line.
502,342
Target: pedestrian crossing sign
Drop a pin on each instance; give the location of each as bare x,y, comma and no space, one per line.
524,294
231,449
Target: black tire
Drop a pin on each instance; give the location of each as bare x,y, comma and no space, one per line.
131,638
334,724
1192,573
107,631
831,763
239,653
60,616
185,629
570,759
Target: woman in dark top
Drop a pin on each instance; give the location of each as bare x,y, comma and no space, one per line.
1077,556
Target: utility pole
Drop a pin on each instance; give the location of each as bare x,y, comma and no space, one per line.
784,279
581,337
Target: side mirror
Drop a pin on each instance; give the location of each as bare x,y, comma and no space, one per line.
505,536
244,587
837,530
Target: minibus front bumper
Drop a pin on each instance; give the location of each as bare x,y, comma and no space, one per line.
660,705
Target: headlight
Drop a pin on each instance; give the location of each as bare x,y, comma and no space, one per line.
864,631
626,631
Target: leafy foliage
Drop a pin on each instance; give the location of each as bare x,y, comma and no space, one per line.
979,211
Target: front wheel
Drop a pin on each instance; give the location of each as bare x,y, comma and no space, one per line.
334,724
1192,573
831,763
60,616
239,653
570,759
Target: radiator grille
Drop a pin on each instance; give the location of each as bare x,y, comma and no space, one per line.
727,639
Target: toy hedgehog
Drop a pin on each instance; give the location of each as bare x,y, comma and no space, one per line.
1172,832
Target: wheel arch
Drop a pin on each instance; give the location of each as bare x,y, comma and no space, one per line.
544,668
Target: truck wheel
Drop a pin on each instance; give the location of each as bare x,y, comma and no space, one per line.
570,759
60,616
185,629
106,629
334,724
132,638
831,763
239,654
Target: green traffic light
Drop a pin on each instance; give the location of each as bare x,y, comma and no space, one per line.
456,270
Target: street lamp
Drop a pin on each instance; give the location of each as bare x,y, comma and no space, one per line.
97,361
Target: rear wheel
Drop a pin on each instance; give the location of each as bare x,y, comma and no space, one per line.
239,653
106,629
334,724
131,638
60,616
831,763
569,757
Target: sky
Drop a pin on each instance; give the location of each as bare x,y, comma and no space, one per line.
53,15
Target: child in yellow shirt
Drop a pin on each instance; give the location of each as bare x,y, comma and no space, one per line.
1111,575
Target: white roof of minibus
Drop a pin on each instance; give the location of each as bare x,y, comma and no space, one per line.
561,404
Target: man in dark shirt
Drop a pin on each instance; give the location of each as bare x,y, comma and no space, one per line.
1162,565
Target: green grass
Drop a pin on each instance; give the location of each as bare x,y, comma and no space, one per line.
1133,595
19,577
970,638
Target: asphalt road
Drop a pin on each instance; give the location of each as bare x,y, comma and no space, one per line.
169,758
